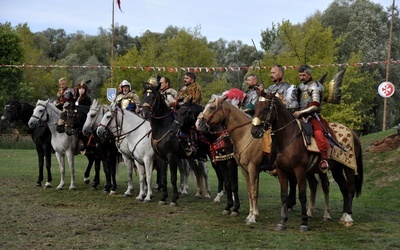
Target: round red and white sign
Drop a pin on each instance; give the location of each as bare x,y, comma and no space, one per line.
386,89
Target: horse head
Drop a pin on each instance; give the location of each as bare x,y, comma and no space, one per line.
152,101
262,113
40,114
214,113
75,118
103,128
186,117
92,119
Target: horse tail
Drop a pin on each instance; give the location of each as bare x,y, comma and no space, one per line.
359,178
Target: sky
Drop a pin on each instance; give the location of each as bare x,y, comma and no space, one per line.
231,20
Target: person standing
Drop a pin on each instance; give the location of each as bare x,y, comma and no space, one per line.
311,94
170,94
251,94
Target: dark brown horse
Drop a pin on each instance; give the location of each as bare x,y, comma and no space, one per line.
16,111
293,158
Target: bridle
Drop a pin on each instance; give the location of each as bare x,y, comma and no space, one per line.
41,116
154,106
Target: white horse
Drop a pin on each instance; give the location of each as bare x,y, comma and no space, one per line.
133,139
63,144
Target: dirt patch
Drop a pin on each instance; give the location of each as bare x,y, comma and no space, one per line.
387,144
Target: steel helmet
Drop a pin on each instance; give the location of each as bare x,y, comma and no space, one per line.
125,83
152,81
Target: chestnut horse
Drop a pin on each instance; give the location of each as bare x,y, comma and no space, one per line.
248,153
293,158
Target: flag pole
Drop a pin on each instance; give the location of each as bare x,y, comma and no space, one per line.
387,68
112,47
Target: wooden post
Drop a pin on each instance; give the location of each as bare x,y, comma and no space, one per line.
387,68
112,48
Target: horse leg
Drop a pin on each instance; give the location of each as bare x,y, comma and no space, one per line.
324,181
40,154
233,174
61,165
302,184
347,190
206,185
162,168
251,179
283,181
106,169
173,164
142,184
228,187
90,158
129,169
220,178
71,163
184,170
312,183
149,178
47,155
292,192
97,166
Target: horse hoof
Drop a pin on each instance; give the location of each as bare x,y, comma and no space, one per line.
86,181
146,201
162,203
234,214
250,221
47,186
304,228
112,193
346,223
173,204
72,188
127,195
37,184
280,228
226,212
138,199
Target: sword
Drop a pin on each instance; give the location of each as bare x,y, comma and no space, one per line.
329,136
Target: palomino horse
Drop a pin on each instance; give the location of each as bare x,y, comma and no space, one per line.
220,148
106,146
168,146
21,111
248,153
293,158
64,145
133,138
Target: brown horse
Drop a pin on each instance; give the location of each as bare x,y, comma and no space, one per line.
248,153
293,158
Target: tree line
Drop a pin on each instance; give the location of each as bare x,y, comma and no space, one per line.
346,32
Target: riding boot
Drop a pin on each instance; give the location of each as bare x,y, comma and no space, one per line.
192,145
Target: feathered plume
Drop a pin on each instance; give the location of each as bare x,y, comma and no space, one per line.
334,89
234,95
119,5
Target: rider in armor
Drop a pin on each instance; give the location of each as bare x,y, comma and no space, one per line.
250,95
311,94
127,98
288,94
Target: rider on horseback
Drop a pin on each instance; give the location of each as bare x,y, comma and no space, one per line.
310,107
191,92
65,95
127,98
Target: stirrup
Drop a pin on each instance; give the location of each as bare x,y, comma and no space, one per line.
324,168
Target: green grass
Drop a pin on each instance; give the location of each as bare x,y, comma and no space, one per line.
36,218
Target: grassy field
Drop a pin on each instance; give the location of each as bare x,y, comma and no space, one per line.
36,218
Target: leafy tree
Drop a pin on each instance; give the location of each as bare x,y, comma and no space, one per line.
11,53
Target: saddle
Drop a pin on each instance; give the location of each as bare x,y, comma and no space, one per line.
222,148
344,137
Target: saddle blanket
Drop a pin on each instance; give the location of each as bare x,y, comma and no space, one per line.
344,136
